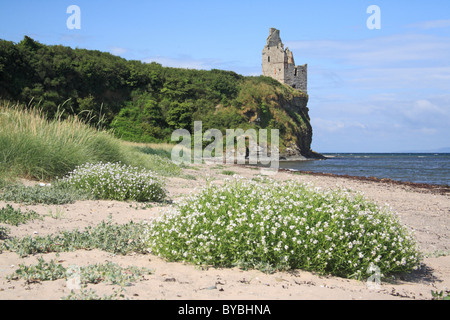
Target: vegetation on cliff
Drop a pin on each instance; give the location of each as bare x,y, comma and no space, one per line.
145,102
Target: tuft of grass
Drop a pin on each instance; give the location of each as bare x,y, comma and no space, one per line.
14,217
58,214
228,172
276,226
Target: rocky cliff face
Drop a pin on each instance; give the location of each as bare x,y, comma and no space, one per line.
299,145
272,105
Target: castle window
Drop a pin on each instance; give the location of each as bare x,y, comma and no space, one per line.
268,59
295,72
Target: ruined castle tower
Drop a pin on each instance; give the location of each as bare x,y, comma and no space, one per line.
279,64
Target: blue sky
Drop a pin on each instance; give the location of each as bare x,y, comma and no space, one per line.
371,90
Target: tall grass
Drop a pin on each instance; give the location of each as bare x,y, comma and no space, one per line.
33,147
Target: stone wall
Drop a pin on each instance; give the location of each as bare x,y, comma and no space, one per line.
296,77
279,63
274,57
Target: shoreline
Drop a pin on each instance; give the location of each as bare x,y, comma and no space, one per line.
426,213
439,188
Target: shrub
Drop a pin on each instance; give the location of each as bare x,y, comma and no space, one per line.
282,226
116,182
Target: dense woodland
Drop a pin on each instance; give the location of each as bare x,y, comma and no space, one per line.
141,101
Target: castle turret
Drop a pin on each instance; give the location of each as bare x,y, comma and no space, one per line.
279,64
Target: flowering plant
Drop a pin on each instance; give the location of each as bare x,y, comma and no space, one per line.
116,182
272,226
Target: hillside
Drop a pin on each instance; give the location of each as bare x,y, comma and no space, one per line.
145,102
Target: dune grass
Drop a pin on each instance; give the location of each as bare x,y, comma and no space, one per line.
33,147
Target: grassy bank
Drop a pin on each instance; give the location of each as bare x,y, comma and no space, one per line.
33,147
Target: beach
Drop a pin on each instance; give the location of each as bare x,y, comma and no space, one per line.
423,209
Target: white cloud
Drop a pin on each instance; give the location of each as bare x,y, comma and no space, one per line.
327,125
414,77
117,51
433,24
334,125
428,131
378,51
426,113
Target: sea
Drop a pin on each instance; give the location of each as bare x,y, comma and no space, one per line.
429,168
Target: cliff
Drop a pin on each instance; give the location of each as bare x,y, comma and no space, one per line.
267,103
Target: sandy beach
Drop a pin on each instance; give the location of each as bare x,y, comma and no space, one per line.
424,210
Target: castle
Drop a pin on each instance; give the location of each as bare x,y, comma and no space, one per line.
279,64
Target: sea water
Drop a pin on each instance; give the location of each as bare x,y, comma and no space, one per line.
430,168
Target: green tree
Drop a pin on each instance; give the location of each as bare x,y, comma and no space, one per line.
180,115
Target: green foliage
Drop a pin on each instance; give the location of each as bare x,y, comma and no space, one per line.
90,294
141,120
33,147
143,102
275,226
441,295
14,217
37,148
179,115
160,164
108,272
42,271
3,234
228,172
115,181
114,238
112,273
54,194
160,152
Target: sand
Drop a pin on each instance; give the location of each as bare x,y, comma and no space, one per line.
423,210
